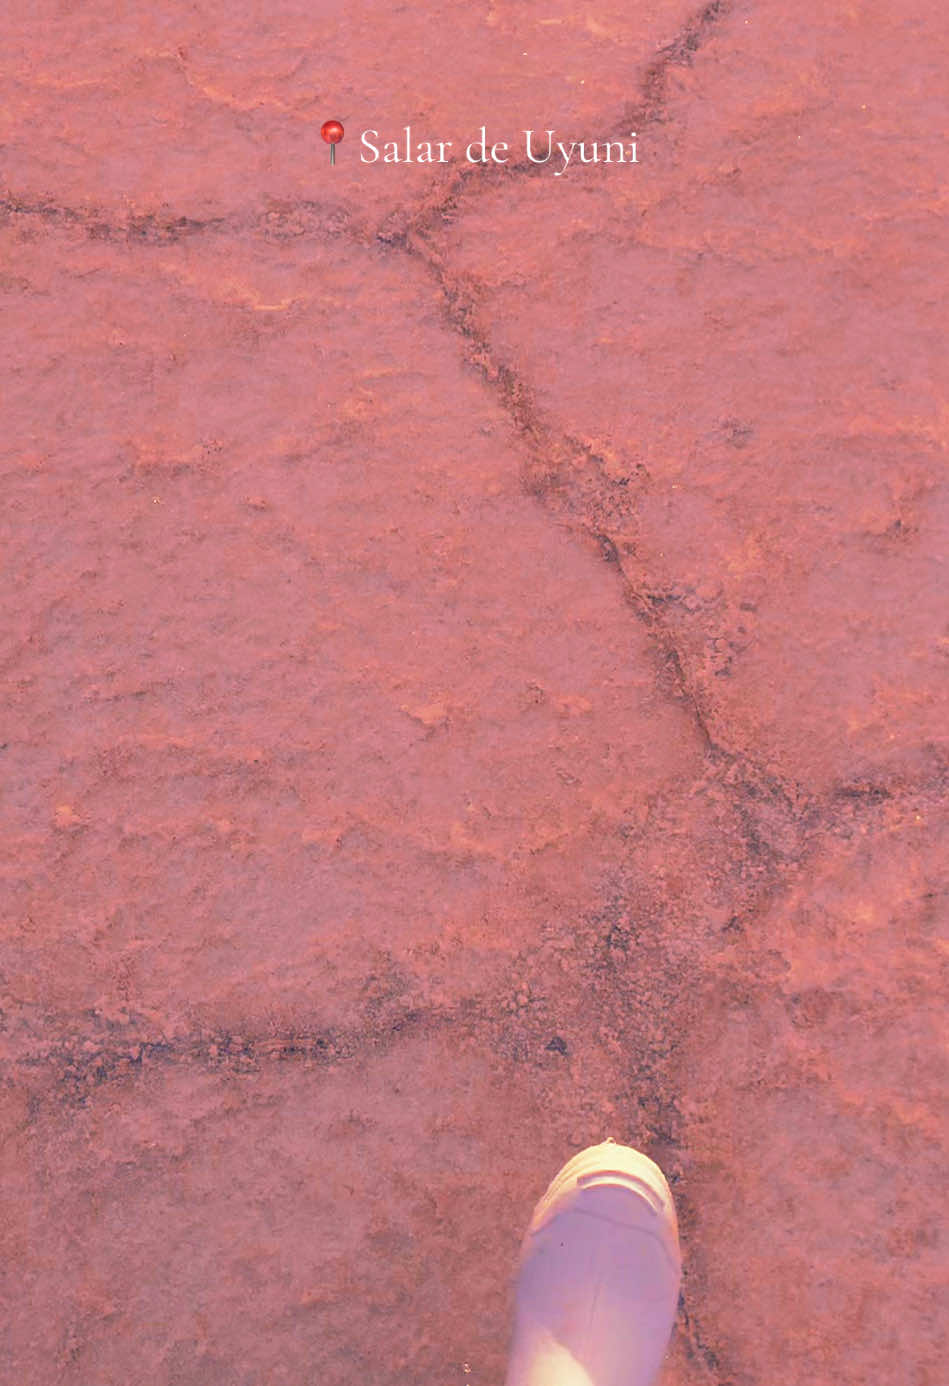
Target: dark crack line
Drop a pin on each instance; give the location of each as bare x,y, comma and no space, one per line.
91,1050
281,221
80,1062
82,1065
552,455
299,217
696,1346
442,204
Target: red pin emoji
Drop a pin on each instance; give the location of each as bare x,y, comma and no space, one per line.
332,132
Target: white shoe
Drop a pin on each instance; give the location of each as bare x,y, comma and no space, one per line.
598,1275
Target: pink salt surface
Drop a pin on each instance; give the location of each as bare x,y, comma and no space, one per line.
473,653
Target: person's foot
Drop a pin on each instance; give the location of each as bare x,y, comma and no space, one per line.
598,1275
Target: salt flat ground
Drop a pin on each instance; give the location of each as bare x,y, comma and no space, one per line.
474,665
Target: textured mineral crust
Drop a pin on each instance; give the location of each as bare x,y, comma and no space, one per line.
473,643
